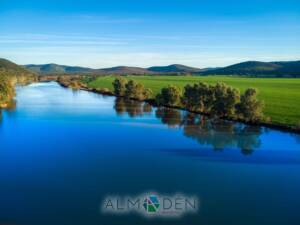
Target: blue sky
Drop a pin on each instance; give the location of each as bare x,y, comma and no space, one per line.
97,33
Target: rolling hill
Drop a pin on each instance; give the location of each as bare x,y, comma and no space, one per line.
57,69
175,68
125,70
256,68
122,70
17,74
13,69
249,68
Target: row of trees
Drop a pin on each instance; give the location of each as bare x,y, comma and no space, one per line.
131,89
219,100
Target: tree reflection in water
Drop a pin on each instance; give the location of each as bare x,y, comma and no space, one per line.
221,134
131,107
217,133
168,116
11,107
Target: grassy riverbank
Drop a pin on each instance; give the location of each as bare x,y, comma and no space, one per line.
281,96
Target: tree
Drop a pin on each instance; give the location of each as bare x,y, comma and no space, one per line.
190,97
170,96
137,91
198,97
119,85
225,100
7,90
250,108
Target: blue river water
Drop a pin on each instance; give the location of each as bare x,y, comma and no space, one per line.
62,152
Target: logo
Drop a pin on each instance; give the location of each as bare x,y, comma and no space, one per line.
151,205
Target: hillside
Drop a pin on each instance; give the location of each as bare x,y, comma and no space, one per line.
250,68
256,68
13,69
123,70
57,69
175,68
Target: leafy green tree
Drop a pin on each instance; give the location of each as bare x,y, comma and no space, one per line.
225,100
170,96
190,97
198,97
119,85
137,91
250,108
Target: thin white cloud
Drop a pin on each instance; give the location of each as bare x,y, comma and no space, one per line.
96,19
59,42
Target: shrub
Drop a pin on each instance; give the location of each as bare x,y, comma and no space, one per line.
198,97
170,96
225,100
250,108
119,85
137,91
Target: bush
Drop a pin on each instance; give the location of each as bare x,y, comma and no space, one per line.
250,108
170,96
225,100
137,91
119,85
198,97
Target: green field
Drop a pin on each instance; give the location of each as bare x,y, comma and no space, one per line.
281,95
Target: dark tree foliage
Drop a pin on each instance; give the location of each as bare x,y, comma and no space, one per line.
170,96
198,97
119,85
250,108
225,100
137,91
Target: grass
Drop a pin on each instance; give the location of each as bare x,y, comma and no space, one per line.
280,95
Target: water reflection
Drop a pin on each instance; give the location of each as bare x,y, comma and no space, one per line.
10,109
132,108
219,134
168,116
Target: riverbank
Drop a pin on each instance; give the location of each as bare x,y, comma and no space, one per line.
8,81
280,95
105,91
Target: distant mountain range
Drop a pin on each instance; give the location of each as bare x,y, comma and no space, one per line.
250,68
256,68
62,69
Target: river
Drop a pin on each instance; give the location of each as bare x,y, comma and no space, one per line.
62,152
